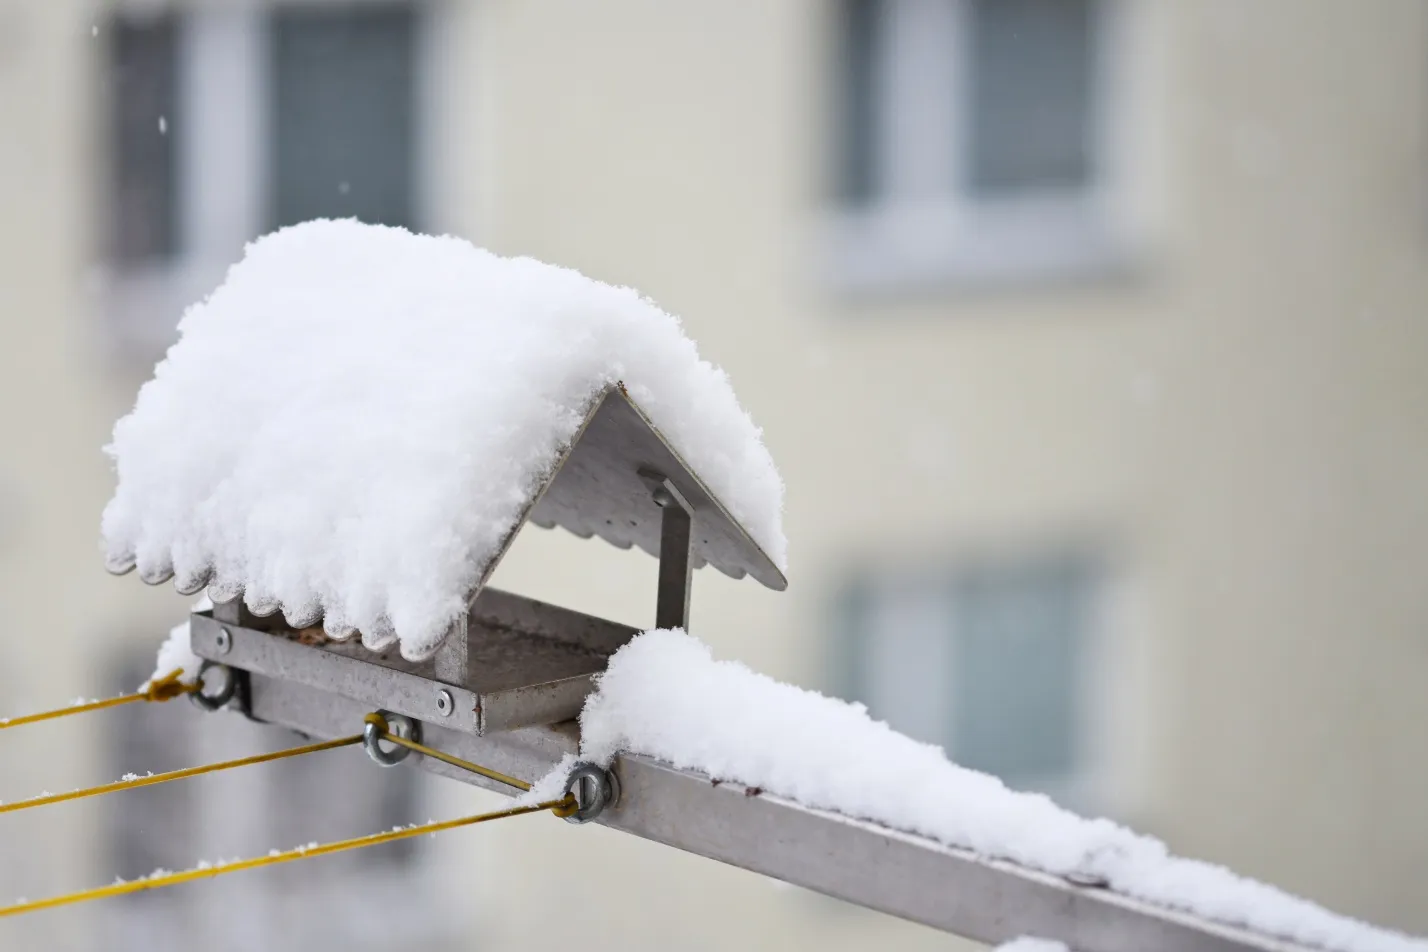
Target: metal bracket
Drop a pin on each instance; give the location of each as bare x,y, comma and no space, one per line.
452,661
676,560
526,663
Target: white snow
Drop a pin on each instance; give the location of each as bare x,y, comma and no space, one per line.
665,696
176,652
353,421
551,786
1030,943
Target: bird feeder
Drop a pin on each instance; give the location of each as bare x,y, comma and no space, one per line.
336,324
512,661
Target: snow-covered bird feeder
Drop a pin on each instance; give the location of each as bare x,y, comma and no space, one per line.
345,441
353,429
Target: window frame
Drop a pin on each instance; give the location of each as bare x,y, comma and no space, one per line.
922,226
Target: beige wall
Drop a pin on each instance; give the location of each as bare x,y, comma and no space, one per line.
1244,421
49,421
1291,516
1241,422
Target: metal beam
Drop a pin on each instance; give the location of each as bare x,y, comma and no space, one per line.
908,876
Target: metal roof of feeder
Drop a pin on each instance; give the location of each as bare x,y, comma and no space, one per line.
621,480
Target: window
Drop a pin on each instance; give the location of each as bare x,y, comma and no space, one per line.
343,98
1030,122
229,120
975,140
991,663
143,61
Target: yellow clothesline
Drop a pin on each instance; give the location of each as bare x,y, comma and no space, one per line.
160,689
168,687
303,852
129,783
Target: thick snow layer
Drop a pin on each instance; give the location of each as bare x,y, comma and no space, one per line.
1028,943
665,696
175,652
354,420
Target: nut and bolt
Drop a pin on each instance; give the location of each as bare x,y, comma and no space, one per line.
594,789
444,704
224,641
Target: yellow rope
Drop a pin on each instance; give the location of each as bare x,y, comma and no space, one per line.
172,879
186,772
159,689
163,689
486,772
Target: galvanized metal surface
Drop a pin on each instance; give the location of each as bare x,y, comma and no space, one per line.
676,563
527,663
498,609
374,684
452,661
597,491
907,876
675,570
527,753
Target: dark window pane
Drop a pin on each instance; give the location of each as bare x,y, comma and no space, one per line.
343,96
1017,686
1031,68
141,96
857,105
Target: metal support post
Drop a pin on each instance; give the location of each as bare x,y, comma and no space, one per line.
676,560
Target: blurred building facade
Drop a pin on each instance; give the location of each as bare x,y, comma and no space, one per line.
1088,334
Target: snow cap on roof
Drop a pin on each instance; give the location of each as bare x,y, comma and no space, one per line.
354,422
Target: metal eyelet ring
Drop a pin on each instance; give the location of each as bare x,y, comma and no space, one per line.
212,702
594,789
397,724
